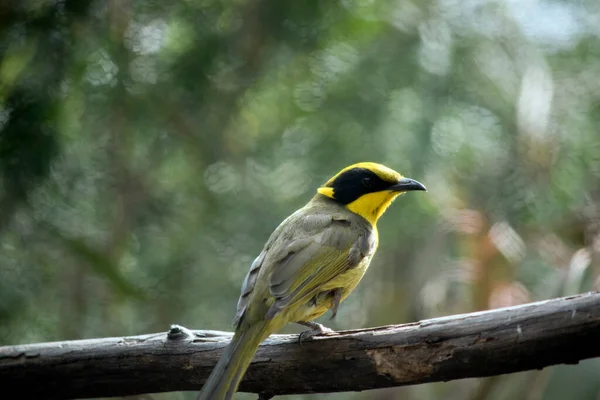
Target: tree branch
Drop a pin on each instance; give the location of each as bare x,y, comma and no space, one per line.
531,336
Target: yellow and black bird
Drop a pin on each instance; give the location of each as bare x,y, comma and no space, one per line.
311,262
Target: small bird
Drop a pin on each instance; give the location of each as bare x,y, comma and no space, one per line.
310,264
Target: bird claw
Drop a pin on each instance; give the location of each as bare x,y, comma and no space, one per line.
316,329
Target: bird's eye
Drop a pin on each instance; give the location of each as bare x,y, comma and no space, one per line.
367,182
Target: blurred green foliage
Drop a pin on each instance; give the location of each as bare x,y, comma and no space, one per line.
148,149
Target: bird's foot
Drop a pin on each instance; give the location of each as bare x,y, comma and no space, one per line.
316,329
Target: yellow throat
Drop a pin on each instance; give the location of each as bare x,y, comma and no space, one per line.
370,206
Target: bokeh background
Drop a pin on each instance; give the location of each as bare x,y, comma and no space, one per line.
148,149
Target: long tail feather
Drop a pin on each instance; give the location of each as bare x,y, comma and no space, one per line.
229,371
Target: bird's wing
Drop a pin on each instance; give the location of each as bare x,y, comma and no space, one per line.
324,247
248,286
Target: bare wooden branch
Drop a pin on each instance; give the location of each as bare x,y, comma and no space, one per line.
531,336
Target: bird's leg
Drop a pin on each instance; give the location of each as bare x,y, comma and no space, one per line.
316,329
335,303
315,326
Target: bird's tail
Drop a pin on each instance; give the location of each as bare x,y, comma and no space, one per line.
229,371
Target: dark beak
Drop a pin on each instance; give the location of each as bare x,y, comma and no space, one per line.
406,184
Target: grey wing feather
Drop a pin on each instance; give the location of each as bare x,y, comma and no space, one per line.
289,251
338,246
255,268
297,252
361,248
323,236
248,285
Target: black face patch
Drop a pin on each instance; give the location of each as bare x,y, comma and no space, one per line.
356,182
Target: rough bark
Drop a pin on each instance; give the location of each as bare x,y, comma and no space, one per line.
531,336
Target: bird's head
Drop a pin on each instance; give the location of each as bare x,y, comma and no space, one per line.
367,188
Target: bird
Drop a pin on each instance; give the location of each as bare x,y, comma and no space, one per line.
309,265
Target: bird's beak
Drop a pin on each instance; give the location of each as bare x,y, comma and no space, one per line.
407,184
